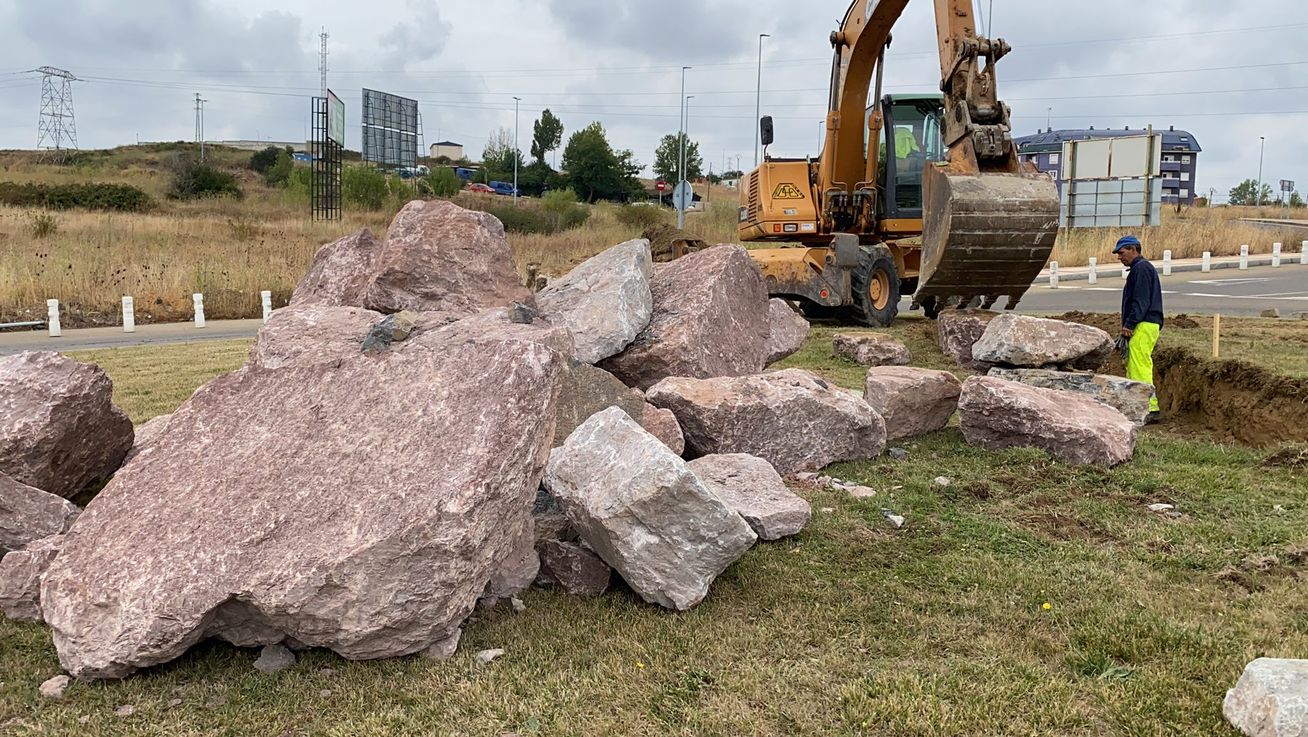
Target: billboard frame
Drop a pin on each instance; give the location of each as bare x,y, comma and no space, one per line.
391,128
325,182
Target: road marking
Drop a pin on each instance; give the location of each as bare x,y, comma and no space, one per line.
1243,296
1283,294
1229,282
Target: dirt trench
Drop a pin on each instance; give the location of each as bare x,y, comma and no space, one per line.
1232,399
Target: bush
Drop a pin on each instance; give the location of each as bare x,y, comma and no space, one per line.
280,171
363,186
522,219
42,224
641,216
263,161
562,205
443,183
299,184
193,179
65,196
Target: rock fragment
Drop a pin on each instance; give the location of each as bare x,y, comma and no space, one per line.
20,578
1024,341
54,688
573,568
958,330
643,511
787,332
28,514
441,258
1270,699
59,429
998,414
604,302
870,349
274,658
911,400
1131,398
339,273
792,418
754,489
710,318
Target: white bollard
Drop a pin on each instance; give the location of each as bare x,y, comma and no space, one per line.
199,309
1208,262
266,297
1093,276
52,318
1276,255
1053,274
1244,258
1167,263
129,315
1303,253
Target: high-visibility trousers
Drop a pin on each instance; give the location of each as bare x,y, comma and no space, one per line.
1140,357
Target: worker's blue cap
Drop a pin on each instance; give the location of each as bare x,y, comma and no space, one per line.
1127,241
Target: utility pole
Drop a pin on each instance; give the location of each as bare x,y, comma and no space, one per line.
56,129
758,94
199,123
516,100
1258,190
322,60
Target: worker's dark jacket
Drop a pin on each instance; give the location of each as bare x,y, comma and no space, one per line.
1142,297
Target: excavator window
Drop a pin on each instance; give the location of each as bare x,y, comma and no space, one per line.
913,132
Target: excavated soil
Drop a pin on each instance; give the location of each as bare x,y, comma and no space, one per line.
1233,399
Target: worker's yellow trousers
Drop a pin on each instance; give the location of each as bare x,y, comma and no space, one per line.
1140,357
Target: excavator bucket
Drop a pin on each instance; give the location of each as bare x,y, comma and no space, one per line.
984,235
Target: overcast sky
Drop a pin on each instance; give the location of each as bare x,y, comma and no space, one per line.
1228,72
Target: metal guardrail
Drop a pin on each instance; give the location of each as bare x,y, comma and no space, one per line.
28,324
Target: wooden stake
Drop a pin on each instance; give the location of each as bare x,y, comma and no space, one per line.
1217,336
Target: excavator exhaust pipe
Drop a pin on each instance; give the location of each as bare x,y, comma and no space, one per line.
984,235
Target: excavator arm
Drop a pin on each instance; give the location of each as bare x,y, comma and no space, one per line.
989,223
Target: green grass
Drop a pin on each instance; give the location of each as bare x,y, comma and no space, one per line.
850,628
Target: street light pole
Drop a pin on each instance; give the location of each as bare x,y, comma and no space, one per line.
681,147
516,100
685,154
1258,190
758,94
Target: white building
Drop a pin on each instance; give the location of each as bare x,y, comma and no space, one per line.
449,149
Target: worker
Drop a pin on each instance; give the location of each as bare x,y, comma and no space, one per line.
906,142
1142,315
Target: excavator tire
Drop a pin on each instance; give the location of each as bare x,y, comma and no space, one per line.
875,284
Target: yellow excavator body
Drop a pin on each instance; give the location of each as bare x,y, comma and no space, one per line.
920,195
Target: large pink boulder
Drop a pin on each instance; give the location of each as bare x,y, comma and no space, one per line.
998,414
340,272
710,319
794,419
911,400
958,330
59,429
441,258
28,514
787,330
312,333
360,505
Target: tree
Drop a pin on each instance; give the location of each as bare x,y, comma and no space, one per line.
546,135
278,174
669,150
262,161
498,157
1243,193
1295,199
595,171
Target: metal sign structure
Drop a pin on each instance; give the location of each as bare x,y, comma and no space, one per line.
683,197
1112,182
328,116
390,130
1287,185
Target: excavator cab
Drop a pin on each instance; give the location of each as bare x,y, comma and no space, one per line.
913,140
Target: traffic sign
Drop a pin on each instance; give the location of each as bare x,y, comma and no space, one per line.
661,185
1287,185
683,196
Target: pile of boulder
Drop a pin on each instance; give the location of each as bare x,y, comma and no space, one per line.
413,436
1039,388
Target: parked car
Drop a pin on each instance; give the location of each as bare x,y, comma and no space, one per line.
410,172
479,187
504,188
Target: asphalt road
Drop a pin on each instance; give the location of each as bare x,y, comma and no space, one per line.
1228,291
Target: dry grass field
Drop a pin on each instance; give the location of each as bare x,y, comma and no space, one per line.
231,250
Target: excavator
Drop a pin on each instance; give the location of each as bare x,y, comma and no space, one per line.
920,195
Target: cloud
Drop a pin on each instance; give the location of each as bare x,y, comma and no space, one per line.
421,36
